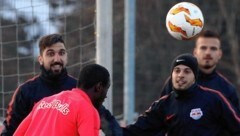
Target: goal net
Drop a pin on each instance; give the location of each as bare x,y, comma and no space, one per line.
23,22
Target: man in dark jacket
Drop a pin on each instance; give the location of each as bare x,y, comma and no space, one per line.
52,80
189,109
208,53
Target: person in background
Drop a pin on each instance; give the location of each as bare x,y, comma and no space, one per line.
189,109
71,112
52,80
208,53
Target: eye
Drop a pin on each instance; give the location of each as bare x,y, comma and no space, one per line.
61,53
50,53
176,70
213,48
203,48
188,71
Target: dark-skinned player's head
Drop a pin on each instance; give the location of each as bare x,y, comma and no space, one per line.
94,79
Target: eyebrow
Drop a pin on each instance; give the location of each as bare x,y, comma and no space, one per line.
48,50
54,51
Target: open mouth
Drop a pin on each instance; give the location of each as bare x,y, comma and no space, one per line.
181,82
56,66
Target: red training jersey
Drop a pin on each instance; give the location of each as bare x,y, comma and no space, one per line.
69,113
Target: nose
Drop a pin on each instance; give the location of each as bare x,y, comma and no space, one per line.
57,58
208,51
181,74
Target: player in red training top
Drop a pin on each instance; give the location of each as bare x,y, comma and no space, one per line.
73,112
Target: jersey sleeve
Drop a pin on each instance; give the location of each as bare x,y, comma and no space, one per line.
17,111
88,121
233,98
228,115
109,124
150,123
22,128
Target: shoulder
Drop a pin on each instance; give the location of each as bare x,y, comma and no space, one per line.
78,99
167,87
24,91
29,84
71,79
209,91
85,109
160,103
224,79
32,80
213,95
226,85
217,98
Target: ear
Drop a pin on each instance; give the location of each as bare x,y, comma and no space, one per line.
40,59
220,54
194,52
98,87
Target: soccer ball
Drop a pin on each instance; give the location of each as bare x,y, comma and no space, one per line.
184,21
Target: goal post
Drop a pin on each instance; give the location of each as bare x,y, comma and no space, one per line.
104,41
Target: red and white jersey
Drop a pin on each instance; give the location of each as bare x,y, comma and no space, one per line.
69,113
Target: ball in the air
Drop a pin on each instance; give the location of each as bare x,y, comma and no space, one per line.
184,21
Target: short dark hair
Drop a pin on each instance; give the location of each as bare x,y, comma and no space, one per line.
209,34
49,40
92,74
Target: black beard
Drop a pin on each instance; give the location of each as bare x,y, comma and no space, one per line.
50,74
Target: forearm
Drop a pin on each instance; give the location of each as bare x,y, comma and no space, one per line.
109,124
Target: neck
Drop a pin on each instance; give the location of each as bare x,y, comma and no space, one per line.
184,93
207,70
91,94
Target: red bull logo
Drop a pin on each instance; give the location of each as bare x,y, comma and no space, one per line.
196,114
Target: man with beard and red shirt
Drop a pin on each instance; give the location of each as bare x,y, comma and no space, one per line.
52,80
